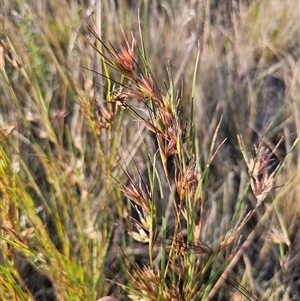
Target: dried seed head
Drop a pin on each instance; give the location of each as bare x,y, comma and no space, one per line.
139,194
104,116
141,235
146,86
187,182
279,237
262,181
143,281
143,227
123,61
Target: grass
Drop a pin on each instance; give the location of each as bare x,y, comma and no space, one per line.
125,152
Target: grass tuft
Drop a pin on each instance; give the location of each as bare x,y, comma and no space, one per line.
127,164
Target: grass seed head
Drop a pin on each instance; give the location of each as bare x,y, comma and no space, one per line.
262,181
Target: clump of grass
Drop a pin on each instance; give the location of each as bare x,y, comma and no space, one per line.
54,231
67,161
171,197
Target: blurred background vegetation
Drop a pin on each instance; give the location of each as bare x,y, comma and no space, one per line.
61,209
